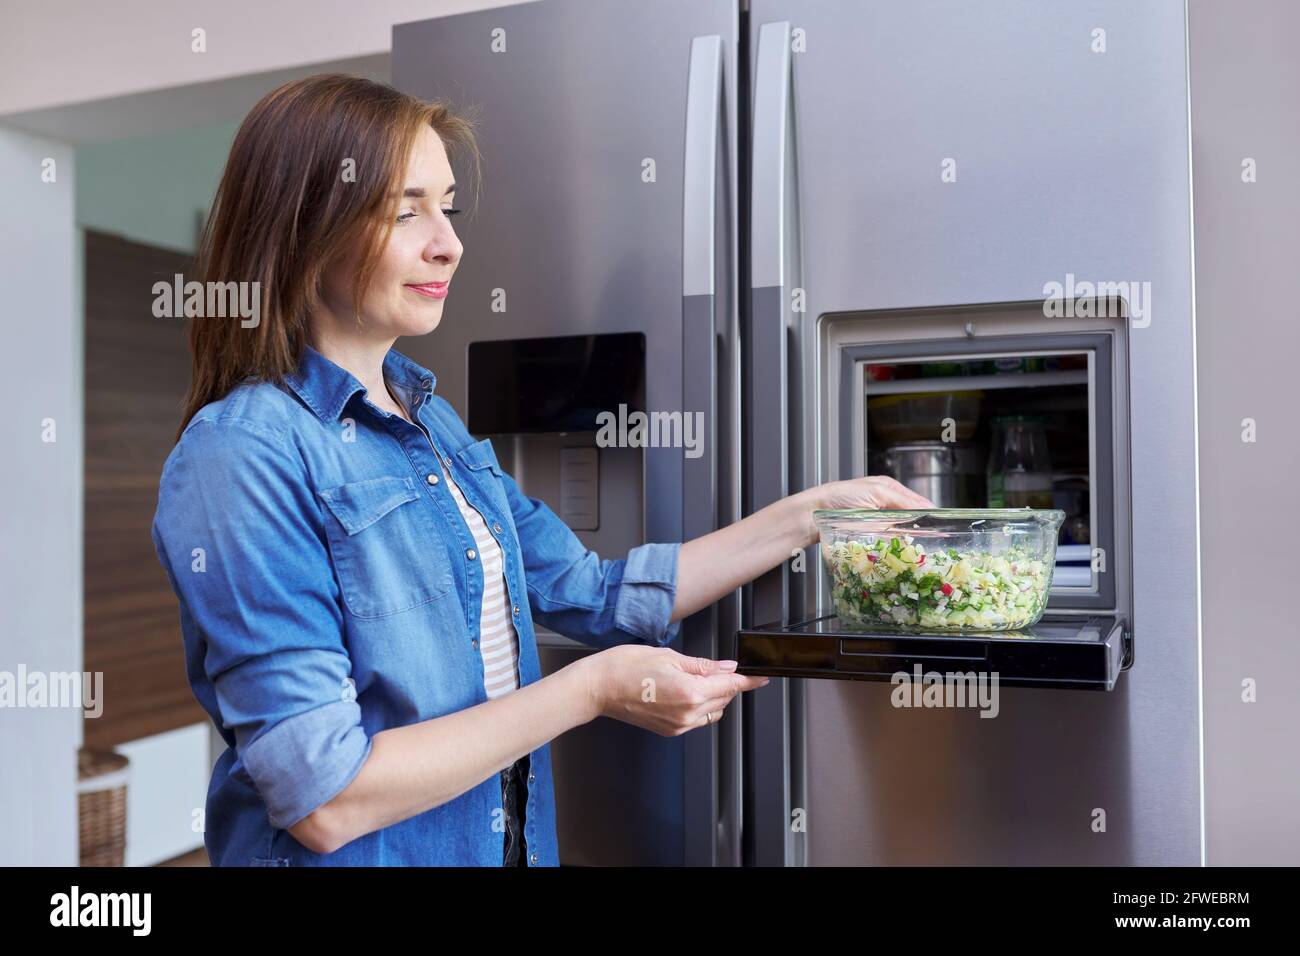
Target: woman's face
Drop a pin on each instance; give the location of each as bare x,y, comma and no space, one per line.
404,297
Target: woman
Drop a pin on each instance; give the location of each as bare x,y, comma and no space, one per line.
358,578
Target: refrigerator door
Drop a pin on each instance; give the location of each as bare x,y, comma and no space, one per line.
939,154
607,130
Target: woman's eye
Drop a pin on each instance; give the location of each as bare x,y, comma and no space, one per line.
408,216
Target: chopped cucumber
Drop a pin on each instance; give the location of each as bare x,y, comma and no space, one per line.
896,582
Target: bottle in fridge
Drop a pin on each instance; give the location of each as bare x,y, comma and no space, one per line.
1020,468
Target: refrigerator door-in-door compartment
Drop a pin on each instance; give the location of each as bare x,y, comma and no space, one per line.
1063,652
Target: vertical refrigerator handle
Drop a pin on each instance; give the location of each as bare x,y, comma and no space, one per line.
699,170
708,812
768,838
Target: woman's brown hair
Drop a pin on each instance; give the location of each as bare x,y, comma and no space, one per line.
286,209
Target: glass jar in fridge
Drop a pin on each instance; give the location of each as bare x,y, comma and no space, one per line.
1020,467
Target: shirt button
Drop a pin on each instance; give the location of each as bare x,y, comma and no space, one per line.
470,553
533,859
473,641
531,776
432,479
516,610
447,463
496,526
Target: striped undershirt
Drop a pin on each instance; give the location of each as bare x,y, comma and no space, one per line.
497,642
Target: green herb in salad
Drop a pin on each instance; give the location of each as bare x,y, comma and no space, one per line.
895,582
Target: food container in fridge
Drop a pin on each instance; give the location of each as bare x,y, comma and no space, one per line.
904,418
1016,644
939,570
950,474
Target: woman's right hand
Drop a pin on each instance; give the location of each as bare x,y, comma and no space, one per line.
658,689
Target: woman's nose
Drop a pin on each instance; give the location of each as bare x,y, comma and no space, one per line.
444,245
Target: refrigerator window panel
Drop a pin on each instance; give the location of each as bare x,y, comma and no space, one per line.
935,431
918,401
1080,396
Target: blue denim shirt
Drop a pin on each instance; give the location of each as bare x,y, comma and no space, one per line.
327,592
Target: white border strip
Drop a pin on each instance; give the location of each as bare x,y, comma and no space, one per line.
1196,432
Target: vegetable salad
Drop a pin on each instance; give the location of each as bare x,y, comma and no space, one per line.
896,582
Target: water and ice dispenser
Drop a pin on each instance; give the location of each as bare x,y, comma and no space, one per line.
540,400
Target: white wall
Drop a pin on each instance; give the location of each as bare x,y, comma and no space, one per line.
40,486
68,51
1246,103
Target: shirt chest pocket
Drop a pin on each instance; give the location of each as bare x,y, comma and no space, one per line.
480,461
387,550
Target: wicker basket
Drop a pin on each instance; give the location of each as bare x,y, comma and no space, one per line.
102,777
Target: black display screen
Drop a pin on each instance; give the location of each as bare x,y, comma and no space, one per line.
557,384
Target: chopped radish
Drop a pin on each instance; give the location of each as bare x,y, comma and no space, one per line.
947,589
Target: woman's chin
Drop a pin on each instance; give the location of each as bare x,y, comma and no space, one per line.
420,324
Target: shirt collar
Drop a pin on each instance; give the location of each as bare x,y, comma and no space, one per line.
326,388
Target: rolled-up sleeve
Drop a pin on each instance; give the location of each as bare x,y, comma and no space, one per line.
648,590
598,601
241,538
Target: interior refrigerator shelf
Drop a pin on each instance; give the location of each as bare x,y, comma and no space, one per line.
1065,651
965,383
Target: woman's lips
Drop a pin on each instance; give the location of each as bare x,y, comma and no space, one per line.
431,290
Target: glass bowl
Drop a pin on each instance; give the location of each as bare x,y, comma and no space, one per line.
944,569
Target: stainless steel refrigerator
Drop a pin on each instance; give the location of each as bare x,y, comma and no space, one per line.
777,214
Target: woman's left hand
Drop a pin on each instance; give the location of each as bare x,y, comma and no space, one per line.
875,492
